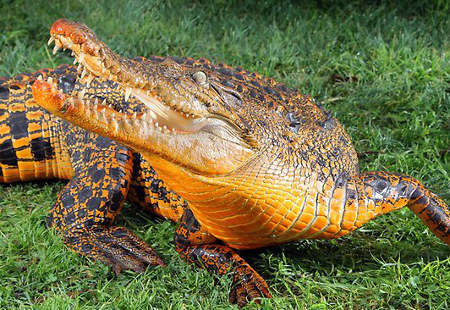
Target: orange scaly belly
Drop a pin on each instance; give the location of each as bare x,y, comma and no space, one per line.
250,211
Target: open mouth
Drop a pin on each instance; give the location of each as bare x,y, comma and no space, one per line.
96,61
172,122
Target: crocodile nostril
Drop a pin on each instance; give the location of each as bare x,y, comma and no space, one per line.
66,83
4,93
14,86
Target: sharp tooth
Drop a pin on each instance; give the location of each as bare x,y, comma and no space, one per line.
51,40
134,115
89,79
55,49
145,127
103,70
81,94
151,114
156,125
81,58
104,102
74,61
115,125
80,65
96,101
50,80
173,130
102,116
40,78
84,72
71,102
127,93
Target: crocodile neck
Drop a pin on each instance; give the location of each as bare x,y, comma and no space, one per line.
248,211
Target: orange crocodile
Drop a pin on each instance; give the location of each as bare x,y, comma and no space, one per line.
259,164
36,145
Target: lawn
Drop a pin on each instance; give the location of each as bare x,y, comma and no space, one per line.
381,67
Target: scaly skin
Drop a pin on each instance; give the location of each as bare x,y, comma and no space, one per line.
258,163
34,145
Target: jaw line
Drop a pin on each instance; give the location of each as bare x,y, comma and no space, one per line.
195,153
137,131
215,150
97,61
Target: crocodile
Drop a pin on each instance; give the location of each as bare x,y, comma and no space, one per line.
36,145
252,162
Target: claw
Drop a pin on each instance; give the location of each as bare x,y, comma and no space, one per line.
114,246
248,286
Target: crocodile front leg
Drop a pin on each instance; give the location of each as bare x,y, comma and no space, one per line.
87,206
199,247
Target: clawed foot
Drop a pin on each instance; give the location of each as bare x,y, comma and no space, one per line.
115,246
248,285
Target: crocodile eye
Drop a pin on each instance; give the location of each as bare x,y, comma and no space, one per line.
200,77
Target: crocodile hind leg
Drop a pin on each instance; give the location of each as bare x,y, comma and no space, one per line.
373,193
390,191
199,247
87,206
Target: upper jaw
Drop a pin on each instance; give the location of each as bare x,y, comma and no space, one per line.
179,130
136,79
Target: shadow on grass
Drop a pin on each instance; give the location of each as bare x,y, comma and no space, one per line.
356,253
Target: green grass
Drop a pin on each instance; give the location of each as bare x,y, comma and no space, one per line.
382,69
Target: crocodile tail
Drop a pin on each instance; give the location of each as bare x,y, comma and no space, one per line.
29,146
385,192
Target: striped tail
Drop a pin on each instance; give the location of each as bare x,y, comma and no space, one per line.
385,192
29,147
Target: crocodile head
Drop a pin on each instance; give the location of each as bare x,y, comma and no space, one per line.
208,130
